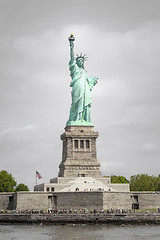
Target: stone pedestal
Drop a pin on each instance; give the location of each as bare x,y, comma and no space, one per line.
79,155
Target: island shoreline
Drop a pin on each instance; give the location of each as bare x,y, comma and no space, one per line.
133,218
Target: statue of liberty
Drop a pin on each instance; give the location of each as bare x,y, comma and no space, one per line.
81,89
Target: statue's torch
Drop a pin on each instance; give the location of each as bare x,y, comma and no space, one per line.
71,37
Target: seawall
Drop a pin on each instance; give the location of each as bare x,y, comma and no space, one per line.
138,218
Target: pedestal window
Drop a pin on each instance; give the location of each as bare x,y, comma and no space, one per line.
81,143
87,144
76,143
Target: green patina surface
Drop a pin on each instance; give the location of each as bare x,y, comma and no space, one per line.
82,85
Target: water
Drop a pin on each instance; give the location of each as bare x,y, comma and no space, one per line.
79,232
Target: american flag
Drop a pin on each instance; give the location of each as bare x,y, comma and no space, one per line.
38,175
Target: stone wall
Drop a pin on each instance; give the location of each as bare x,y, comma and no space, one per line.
79,154
115,200
147,200
77,200
124,200
81,218
30,200
4,200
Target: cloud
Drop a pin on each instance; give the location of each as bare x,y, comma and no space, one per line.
27,149
122,42
150,148
16,130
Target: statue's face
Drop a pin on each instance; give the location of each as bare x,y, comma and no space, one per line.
80,62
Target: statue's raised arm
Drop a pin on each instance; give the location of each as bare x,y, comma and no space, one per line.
81,89
71,40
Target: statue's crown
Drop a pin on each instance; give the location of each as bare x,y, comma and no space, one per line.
81,56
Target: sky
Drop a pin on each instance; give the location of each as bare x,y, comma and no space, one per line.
122,41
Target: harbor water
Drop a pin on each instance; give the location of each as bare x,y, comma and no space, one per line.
78,232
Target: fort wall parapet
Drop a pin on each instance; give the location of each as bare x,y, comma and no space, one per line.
79,200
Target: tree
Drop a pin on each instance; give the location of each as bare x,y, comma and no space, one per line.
119,179
7,182
21,187
144,182
139,182
158,184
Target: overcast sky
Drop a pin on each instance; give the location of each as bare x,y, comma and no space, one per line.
122,41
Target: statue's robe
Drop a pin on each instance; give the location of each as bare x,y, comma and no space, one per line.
81,93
